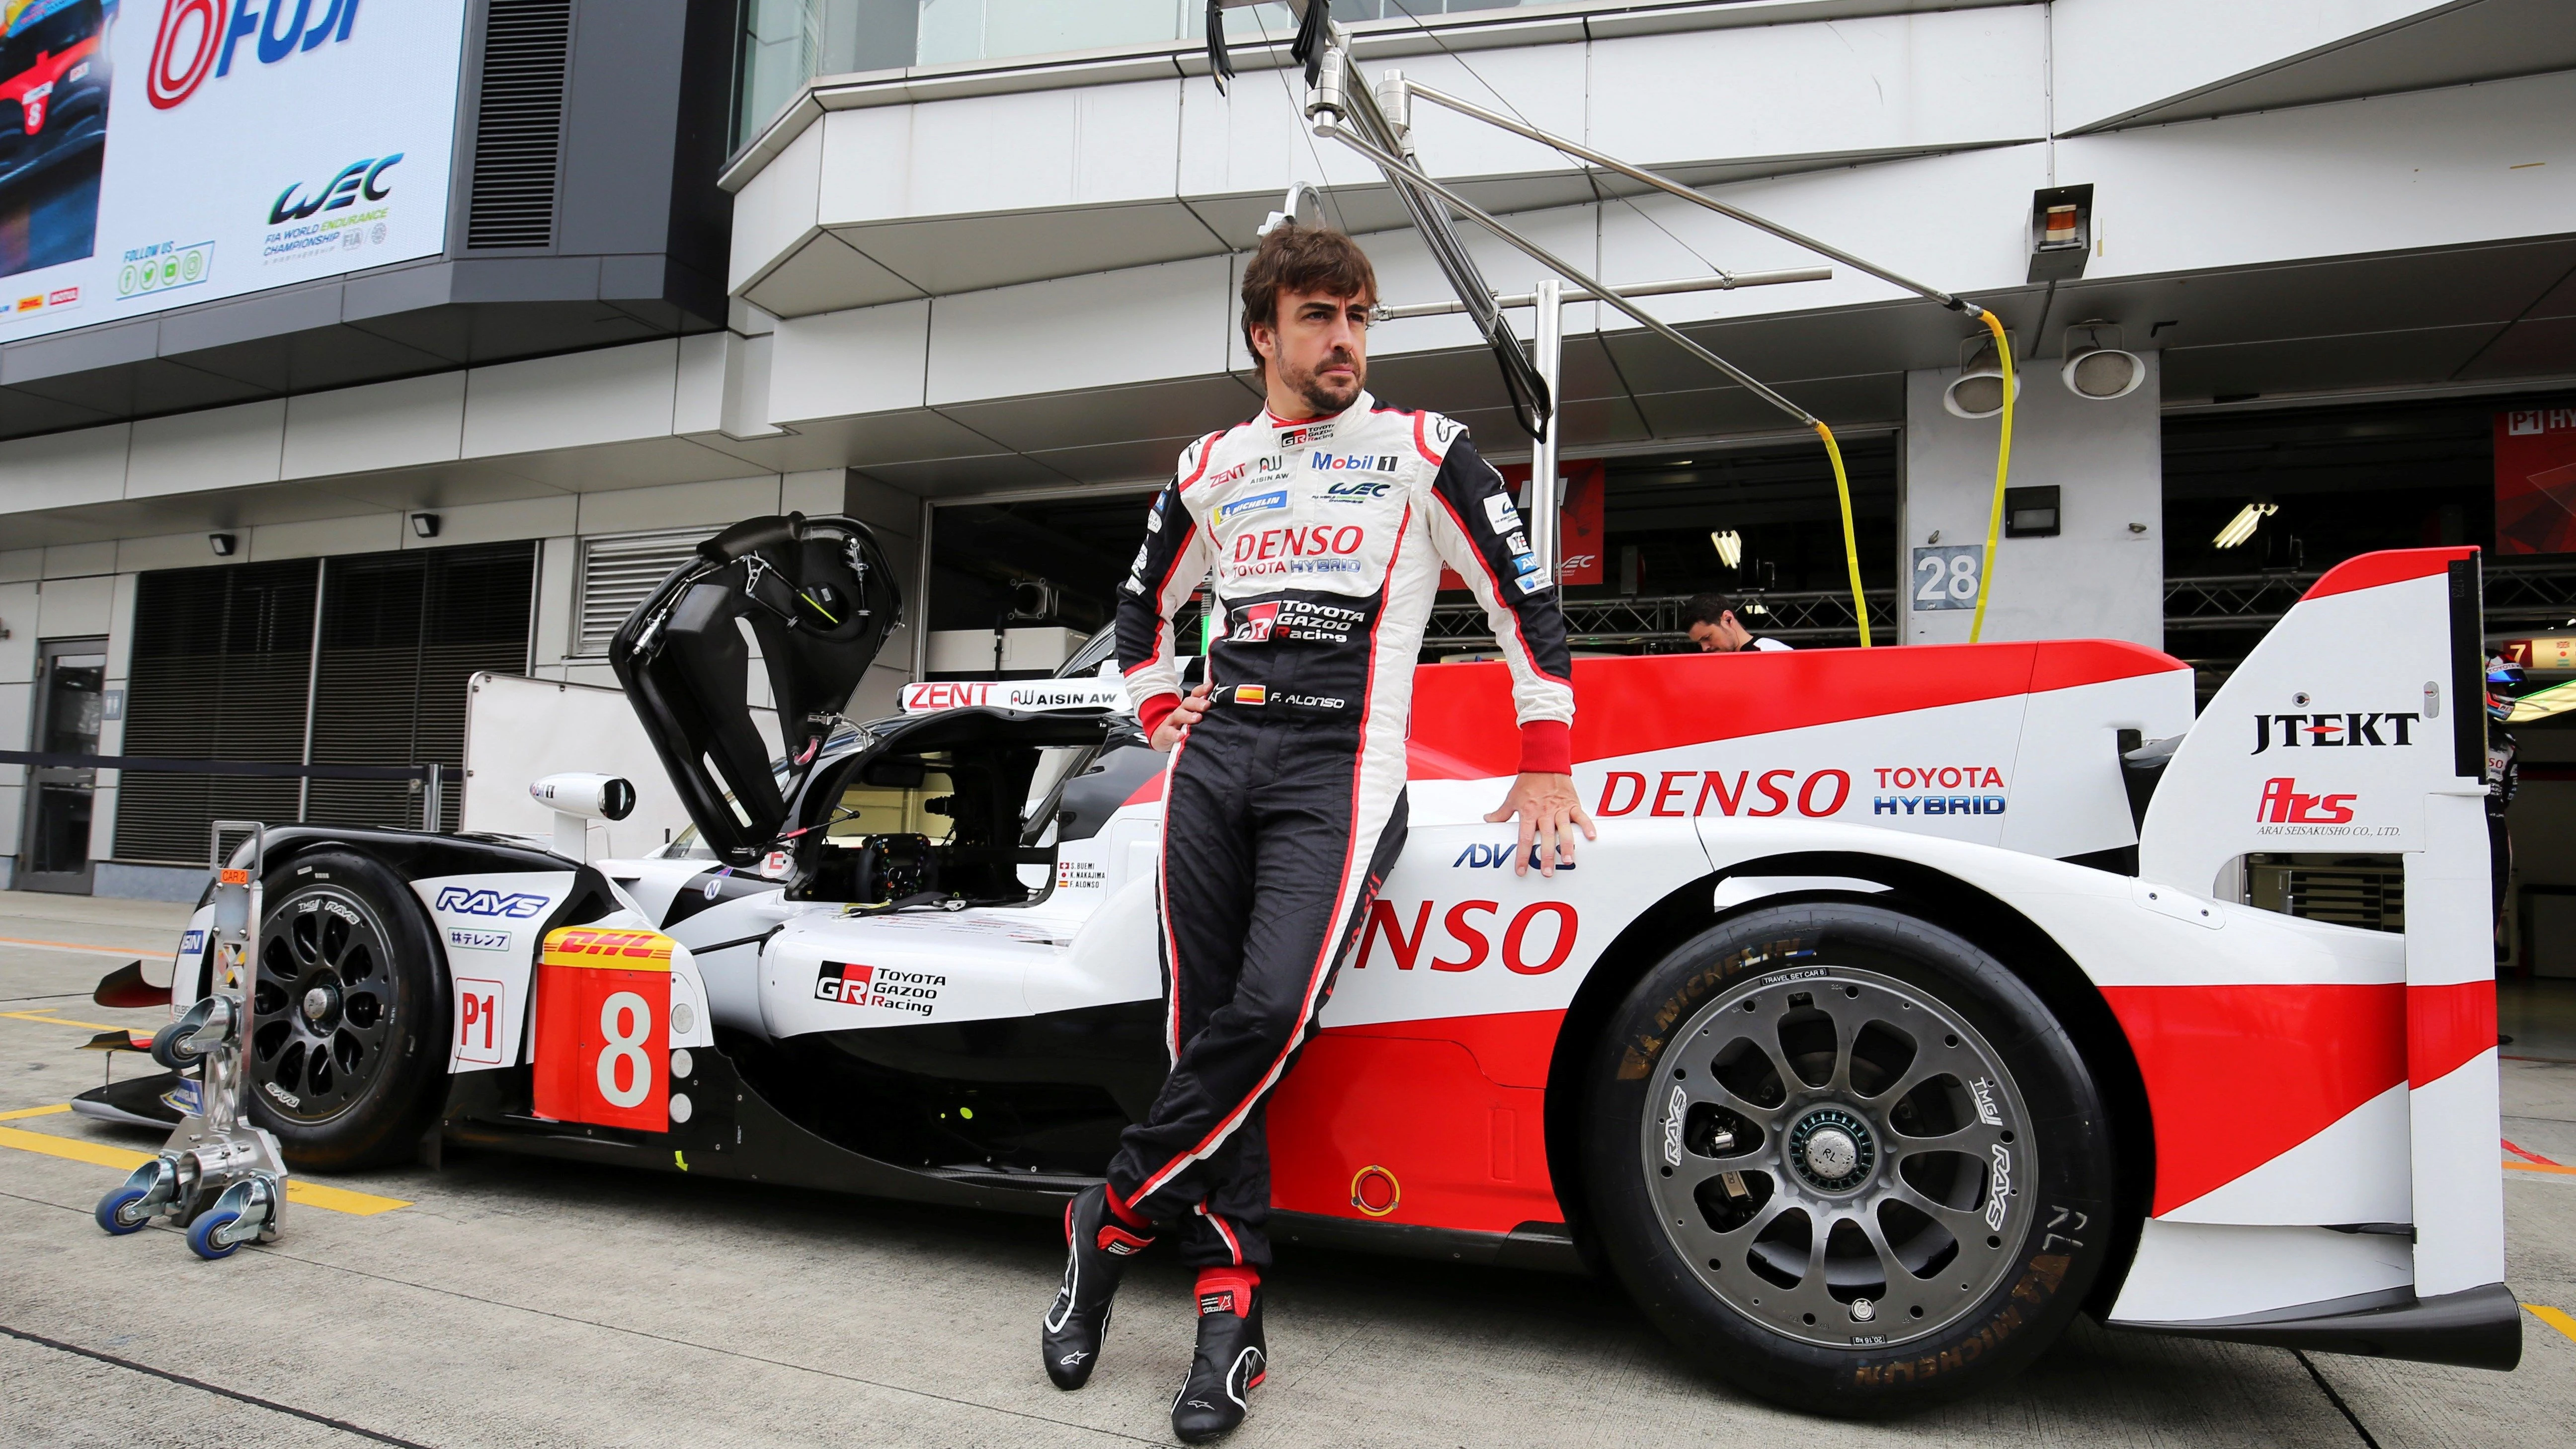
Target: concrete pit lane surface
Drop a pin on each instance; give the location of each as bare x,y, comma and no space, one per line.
510,1301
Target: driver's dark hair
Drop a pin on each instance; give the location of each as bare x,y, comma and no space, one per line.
1707,609
1301,259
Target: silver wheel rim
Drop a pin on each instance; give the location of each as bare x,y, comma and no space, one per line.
1871,1192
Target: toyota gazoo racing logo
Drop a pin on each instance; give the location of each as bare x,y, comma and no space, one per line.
1300,437
359,178
2347,730
1294,621
484,901
852,984
199,37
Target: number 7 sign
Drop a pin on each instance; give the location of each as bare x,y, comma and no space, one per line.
602,1049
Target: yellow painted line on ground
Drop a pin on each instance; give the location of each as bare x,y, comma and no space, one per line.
298,1191
2555,1317
61,1021
70,946
2540,1167
35,1112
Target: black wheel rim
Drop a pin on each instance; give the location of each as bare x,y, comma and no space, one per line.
325,1006
1839,1157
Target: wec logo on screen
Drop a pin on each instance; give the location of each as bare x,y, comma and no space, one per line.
358,178
201,36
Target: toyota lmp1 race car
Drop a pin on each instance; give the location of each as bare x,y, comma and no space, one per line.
1905,1007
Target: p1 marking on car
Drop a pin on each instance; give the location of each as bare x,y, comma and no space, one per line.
1904,1008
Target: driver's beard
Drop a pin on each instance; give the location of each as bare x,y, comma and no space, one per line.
1322,398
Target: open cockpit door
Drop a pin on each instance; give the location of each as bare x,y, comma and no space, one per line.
818,597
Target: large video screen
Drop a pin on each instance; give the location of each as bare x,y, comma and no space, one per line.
160,153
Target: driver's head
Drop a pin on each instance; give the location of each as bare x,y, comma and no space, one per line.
1306,298
1713,625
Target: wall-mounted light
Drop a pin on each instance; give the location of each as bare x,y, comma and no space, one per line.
2242,526
2061,232
424,525
1730,547
2031,512
221,543
2098,369
1979,390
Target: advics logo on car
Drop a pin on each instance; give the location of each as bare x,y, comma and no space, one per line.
198,36
484,901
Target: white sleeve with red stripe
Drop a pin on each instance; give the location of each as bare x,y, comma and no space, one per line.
1476,531
1169,565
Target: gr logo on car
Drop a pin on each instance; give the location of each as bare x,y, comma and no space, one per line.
484,901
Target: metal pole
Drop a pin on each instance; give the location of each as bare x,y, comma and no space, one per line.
1335,131
1550,347
1724,282
1669,187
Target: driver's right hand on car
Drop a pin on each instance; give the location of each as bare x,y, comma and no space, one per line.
1185,714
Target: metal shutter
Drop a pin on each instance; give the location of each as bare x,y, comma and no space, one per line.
518,124
401,635
222,660
617,574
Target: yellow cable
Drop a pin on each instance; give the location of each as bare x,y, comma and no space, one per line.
2003,461
1851,548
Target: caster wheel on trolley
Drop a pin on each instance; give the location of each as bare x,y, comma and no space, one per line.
115,1203
201,1235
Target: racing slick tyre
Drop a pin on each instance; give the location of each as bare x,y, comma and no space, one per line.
348,1052
1847,1159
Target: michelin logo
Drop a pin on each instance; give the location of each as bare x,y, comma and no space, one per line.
1258,503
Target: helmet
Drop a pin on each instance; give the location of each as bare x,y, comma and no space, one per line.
2502,679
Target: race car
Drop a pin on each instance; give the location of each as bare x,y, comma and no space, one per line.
1906,1006
53,83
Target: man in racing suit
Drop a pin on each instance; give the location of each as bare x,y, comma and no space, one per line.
1321,525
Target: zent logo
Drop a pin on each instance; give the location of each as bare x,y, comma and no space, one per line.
469,901
356,179
2283,805
197,36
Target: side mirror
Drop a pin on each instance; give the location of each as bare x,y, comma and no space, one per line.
577,800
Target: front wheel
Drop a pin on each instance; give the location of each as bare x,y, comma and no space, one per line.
348,1059
1847,1159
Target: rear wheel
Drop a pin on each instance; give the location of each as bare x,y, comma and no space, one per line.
347,1055
1847,1158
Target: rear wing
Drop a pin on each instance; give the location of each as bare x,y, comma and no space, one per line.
2359,725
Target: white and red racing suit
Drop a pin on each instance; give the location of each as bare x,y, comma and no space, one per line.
1323,541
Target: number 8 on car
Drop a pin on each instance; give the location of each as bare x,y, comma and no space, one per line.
602,998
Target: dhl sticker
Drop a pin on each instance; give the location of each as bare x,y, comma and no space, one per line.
607,950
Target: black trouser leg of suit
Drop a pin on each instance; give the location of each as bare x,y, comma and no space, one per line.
1277,832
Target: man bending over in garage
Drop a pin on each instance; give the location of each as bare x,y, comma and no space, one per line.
1716,630
1322,524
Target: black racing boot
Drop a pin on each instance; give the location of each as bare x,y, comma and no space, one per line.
1232,1357
1099,1246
